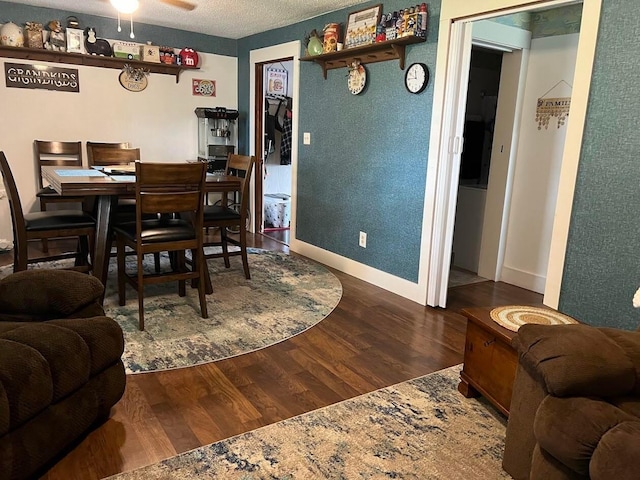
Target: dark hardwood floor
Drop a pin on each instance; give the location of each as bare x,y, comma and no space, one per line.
371,340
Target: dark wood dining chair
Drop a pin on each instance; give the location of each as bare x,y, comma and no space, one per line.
49,153
104,156
165,188
92,145
45,225
231,214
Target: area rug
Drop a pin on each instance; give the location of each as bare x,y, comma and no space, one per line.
285,296
421,429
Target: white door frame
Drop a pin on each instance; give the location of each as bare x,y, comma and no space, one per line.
266,55
439,195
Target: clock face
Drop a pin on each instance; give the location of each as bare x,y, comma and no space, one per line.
416,78
357,79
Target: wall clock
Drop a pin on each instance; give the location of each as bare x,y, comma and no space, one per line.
357,79
417,77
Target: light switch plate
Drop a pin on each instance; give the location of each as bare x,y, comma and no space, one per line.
306,138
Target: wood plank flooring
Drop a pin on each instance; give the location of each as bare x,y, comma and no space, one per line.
371,340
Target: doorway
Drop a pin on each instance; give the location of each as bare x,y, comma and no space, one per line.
448,165
277,100
274,82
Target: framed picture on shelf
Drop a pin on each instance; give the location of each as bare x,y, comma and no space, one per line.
361,26
75,40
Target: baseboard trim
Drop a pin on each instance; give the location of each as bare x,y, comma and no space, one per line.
399,286
520,278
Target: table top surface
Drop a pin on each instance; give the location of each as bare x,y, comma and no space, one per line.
73,181
481,317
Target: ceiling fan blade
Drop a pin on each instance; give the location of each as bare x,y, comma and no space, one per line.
180,4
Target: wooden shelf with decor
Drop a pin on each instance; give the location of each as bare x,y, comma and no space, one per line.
375,52
41,55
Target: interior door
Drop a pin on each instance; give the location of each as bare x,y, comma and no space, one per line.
449,169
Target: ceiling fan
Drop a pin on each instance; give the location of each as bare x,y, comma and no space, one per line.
129,6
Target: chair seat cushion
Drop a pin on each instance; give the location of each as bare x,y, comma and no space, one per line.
58,219
159,230
216,212
47,191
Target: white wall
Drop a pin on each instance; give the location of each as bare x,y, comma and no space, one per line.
159,120
537,170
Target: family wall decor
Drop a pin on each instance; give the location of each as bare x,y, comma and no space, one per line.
42,77
549,107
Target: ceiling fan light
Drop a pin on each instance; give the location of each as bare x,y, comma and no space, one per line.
125,6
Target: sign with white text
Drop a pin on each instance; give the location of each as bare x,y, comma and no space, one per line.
41,77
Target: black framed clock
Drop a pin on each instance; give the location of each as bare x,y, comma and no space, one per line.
416,78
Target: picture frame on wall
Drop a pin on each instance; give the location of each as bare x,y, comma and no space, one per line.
277,81
361,26
75,40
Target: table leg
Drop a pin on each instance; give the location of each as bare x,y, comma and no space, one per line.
106,205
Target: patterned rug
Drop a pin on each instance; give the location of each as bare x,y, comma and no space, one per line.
421,429
285,296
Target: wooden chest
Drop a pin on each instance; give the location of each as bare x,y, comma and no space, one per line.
489,360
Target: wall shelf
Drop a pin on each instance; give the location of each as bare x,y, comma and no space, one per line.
375,52
42,55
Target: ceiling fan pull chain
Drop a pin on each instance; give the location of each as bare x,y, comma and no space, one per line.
131,34
119,27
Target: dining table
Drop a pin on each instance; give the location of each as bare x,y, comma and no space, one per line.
107,188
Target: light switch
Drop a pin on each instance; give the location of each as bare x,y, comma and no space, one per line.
306,138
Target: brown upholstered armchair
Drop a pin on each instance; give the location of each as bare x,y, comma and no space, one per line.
575,409
60,366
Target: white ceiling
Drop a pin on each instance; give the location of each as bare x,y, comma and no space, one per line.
224,18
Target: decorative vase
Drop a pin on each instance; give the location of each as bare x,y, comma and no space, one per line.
315,46
11,35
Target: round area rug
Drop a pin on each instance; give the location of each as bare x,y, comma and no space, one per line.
512,317
285,296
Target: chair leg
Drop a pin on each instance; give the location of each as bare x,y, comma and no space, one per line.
243,252
121,271
82,257
45,243
181,267
225,247
140,292
200,262
20,258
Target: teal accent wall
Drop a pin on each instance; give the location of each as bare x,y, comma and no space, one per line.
556,21
107,28
602,266
365,169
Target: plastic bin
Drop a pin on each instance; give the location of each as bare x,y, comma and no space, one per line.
277,210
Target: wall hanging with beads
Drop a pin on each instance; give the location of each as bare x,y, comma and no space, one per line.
552,107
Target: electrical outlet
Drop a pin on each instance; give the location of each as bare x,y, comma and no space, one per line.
306,138
363,240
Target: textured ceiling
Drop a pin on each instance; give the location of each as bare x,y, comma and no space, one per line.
223,18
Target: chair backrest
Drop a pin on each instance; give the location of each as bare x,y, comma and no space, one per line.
92,145
170,188
57,154
241,166
103,156
15,207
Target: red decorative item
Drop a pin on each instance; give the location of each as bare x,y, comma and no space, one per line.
189,57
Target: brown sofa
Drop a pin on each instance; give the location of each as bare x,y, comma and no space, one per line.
575,409
60,366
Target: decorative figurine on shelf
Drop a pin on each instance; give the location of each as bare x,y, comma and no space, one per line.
96,46
11,35
331,37
57,41
189,57
33,35
167,55
313,43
